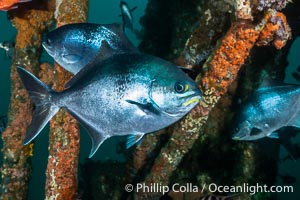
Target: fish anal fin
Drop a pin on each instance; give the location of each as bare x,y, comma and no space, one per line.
133,139
97,137
97,140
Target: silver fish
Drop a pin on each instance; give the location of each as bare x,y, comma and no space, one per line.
73,46
266,111
126,94
126,14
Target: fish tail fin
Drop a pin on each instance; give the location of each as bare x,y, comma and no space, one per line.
41,95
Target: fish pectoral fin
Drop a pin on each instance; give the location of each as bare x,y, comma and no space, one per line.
133,139
273,135
146,107
71,58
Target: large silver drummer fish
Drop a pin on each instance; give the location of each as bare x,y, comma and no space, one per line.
126,94
73,46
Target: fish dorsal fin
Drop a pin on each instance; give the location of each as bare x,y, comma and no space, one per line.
97,137
104,52
133,139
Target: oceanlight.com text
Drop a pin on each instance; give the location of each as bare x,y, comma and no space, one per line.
212,188
251,189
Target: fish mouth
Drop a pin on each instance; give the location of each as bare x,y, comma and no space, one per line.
236,138
242,137
239,136
192,101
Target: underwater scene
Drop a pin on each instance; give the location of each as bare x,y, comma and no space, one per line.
150,99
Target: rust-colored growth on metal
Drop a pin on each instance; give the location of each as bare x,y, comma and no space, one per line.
64,137
30,23
224,65
277,31
220,70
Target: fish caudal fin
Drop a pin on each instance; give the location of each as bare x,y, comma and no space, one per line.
44,110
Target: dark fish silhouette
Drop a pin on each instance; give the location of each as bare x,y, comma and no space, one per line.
126,94
73,46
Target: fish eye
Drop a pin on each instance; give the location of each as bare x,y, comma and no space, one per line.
180,87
